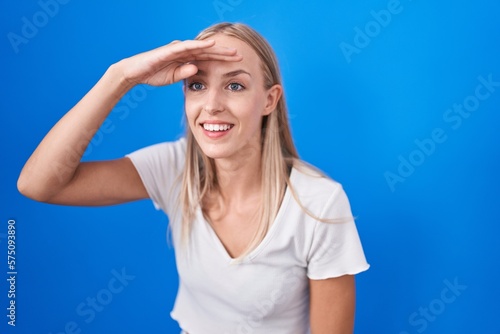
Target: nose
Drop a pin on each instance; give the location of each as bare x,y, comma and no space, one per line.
214,103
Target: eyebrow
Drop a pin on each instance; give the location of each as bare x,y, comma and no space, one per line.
225,75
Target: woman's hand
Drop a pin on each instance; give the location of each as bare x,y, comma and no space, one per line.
172,62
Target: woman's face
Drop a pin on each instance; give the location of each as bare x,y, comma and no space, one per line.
225,102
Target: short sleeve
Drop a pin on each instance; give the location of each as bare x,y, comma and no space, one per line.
160,167
336,248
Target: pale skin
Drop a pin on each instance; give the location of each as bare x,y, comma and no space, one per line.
223,83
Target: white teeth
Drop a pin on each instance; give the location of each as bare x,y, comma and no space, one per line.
216,127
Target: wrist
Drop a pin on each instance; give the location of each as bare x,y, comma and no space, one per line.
117,78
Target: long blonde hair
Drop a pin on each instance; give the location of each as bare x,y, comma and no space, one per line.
278,151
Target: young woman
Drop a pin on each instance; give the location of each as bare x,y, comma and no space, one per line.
263,242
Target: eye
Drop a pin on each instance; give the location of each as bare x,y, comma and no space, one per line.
235,87
196,86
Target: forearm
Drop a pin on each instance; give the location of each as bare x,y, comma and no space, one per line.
55,160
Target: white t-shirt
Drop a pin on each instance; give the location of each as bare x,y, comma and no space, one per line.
268,291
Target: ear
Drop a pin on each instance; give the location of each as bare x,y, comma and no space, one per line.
273,96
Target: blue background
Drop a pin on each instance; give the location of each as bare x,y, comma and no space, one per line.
354,116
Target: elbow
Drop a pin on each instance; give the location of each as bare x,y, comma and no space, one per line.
29,189
22,185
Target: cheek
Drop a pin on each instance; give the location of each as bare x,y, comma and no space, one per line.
252,111
191,111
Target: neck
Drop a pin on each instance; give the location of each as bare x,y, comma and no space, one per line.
239,177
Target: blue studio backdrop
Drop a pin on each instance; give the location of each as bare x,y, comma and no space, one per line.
396,99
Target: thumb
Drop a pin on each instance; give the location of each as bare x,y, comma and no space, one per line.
185,71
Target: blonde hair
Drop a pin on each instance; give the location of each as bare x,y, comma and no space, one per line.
278,152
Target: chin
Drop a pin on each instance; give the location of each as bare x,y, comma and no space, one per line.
215,150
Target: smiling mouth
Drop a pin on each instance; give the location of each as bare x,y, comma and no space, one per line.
217,127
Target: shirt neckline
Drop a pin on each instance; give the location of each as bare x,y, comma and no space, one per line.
250,256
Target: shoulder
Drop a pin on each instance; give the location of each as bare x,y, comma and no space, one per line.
160,167
316,191
164,154
164,148
309,181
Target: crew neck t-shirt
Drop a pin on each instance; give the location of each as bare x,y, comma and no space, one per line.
268,290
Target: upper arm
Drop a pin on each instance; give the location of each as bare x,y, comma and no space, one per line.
332,305
102,183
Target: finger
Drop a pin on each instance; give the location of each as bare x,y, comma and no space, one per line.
198,56
190,50
190,53
187,45
205,57
184,71
204,46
